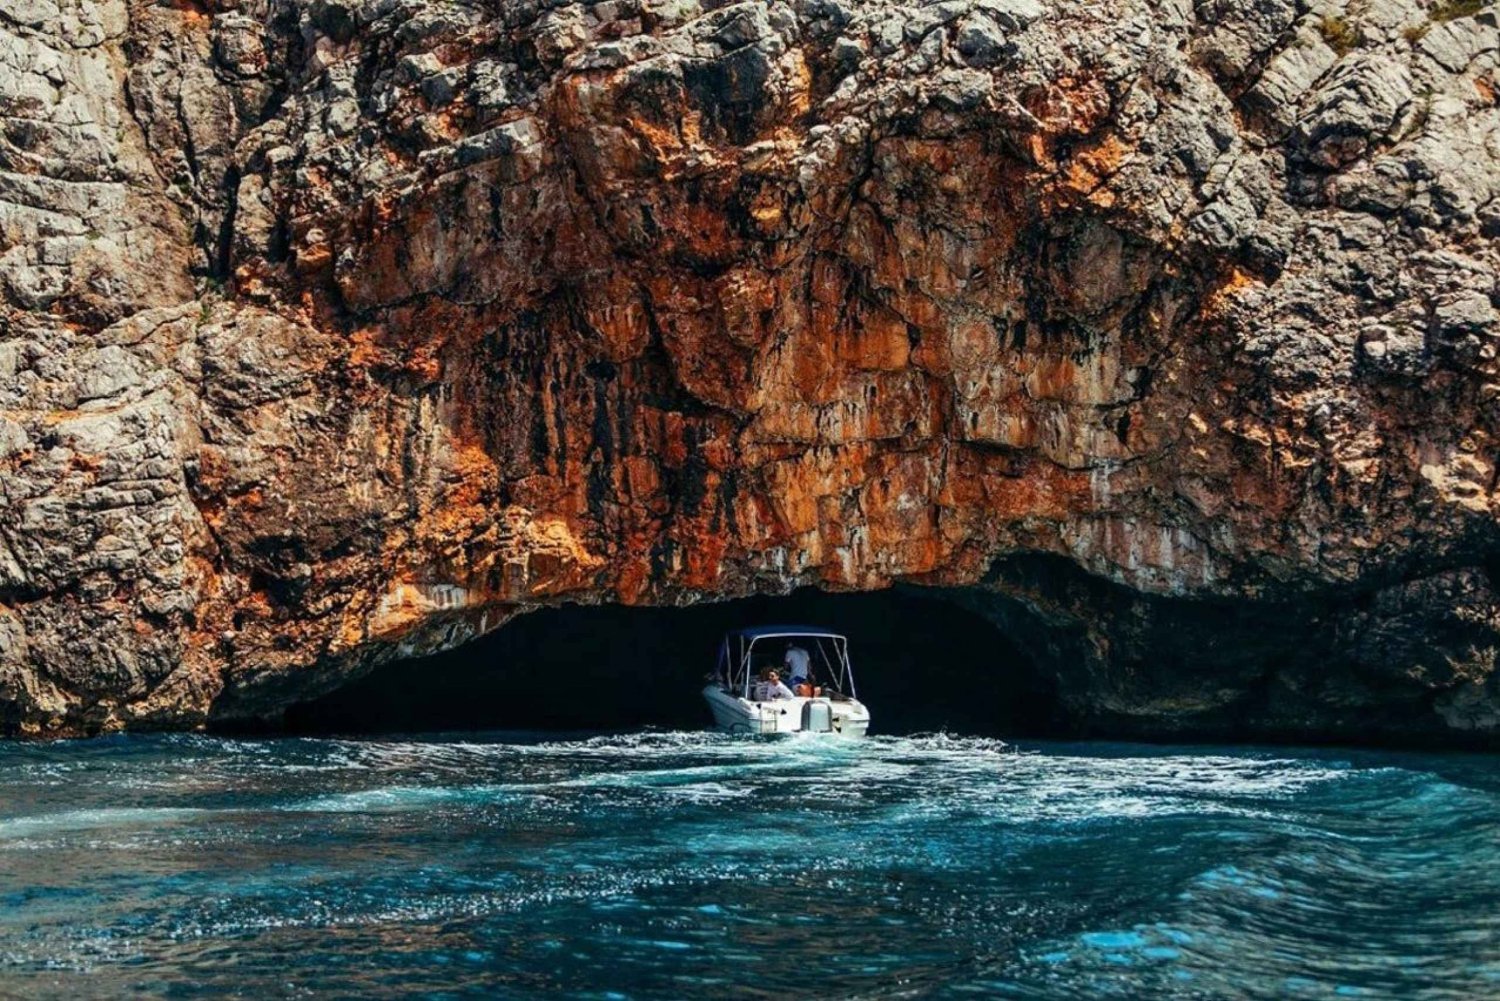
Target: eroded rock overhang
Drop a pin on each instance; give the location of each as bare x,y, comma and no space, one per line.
338,332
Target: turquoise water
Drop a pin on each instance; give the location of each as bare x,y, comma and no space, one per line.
688,865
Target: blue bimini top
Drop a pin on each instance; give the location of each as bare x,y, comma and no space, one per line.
761,632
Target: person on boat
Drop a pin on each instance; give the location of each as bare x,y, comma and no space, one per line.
798,664
760,681
771,688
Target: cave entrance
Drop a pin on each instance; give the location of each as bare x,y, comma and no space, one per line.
921,662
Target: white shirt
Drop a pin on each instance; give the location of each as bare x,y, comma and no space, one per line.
798,663
765,691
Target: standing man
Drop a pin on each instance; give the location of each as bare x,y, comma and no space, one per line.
798,664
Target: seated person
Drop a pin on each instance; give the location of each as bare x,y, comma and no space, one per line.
771,687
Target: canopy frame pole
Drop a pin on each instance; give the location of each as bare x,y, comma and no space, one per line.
847,672
829,671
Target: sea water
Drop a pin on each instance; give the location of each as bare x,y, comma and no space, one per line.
687,865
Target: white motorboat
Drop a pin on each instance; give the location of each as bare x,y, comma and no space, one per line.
743,703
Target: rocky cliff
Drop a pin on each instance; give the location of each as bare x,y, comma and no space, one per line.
1162,333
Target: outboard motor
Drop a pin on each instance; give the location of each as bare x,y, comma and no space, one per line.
817,716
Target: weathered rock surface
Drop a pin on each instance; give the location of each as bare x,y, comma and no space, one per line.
1164,333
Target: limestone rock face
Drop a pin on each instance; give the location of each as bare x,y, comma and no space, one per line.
1163,333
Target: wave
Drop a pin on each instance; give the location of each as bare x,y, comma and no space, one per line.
94,819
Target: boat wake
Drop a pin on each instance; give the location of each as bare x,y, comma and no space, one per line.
668,864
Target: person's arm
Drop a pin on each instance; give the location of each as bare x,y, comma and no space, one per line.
783,692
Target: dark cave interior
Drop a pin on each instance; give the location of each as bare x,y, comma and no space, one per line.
921,663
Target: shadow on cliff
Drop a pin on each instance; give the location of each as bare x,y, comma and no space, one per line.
921,663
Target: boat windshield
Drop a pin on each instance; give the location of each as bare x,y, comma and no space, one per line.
745,652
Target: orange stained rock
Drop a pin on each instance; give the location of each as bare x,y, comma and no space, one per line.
472,476
674,441
721,452
612,308
795,508
1082,103
876,339
767,209
641,479
1054,378
194,15
632,580
1087,171
999,488
972,344
425,363
1235,282
703,559
85,463
797,85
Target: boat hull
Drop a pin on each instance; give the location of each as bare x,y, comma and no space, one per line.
732,714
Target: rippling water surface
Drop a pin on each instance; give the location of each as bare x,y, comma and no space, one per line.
689,865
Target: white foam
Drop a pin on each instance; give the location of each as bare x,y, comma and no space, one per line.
107,817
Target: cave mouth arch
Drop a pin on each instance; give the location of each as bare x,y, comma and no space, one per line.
922,663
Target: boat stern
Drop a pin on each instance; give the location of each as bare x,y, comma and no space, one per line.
734,714
851,718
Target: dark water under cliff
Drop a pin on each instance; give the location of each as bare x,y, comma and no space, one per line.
928,664
689,865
